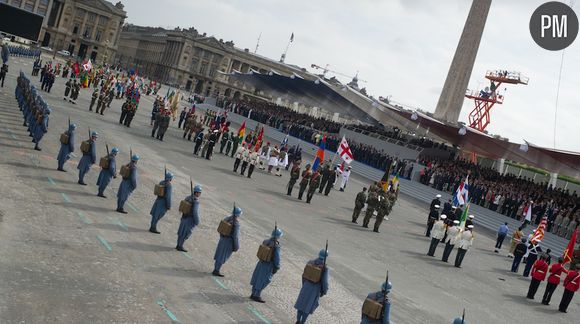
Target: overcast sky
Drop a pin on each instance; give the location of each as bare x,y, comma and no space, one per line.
402,48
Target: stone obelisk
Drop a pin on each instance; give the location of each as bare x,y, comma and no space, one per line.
452,95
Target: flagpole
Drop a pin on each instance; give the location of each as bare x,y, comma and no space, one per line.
283,57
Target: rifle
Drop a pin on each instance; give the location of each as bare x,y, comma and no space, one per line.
191,186
385,295
130,154
107,146
463,317
69,123
165,172
90,133
324,262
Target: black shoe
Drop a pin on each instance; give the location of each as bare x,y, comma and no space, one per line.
562,311
257,299
217,273
61,170
179,248
354,221
81,183
154,230
528,297
365,226
121,210
101,195
37,148
376,231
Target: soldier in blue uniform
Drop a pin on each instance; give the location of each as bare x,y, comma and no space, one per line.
41,128
162,204
190,220
89,158
66,149
311,292
127,185
264,271
379,297
227,244
107,174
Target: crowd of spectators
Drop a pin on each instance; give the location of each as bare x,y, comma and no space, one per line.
507,194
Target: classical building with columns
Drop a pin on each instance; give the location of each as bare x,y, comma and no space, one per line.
193,61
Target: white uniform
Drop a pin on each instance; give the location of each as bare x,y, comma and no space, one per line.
345,176
453,235
438,230
239,152
466,240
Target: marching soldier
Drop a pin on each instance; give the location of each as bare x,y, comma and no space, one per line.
331,181
437,234
325,177
264,156
372,202
66,149
236,143
67,88
107,174
571,285
254,160
162,203
239,156
294,175
385,207
453,236
431,219
190,220
539,271
124,110
381,298
265,270
89,157
465,242
212,139
313,185
130,114
198,141
182,116
128,185
306,174
94,97
101,103
224,141
76,88
556,271
227,244
41,128
163,124
311,292
229,143
435,203
245,161
359,204
282,160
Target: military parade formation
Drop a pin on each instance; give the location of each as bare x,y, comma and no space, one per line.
453,227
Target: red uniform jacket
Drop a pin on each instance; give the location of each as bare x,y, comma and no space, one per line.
539,270
555,273
572,281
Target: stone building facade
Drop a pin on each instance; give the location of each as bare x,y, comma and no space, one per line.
193,61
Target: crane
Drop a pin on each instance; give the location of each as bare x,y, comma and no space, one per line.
326,70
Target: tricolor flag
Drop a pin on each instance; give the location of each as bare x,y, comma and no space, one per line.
319,154
395,182
385,178
569,252
462,194
344,151
528,212
540,231
241,132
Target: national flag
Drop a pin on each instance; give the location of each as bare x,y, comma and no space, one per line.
569,252
88,66
292,38
528,212
344,151
385,178
241,132
259,139
319,154
395,182
463,218
538,234
462,194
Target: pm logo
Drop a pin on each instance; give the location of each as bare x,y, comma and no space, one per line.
554,26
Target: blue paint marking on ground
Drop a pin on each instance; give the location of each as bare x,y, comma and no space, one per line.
104,242
258,314
221,284
51,181
65,197
187,255
132,207
83,218
172,316
123,225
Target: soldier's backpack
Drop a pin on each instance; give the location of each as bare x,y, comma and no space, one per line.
159,190
64,138
104,162
372,309
86,147
225,228
185,207
265,253
125,171
312,273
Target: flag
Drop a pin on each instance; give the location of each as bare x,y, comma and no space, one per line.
463,218
385,178
395,182
259,139
462,194
528,212
569,252
88,66
540,230
319,154
344,151
292,38
284,141
241,132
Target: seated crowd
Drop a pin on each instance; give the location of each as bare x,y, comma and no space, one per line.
507,194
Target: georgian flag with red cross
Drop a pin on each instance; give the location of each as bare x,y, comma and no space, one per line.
344,151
